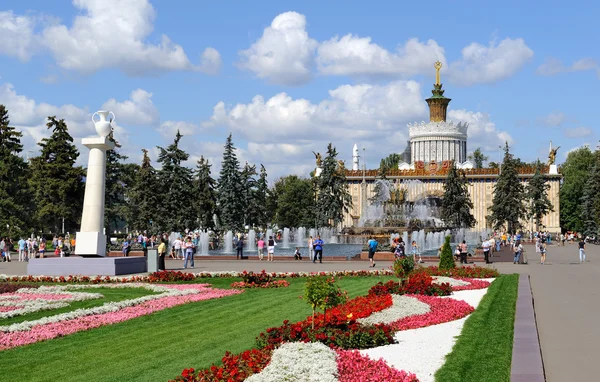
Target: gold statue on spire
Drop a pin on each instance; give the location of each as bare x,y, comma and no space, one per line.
437,66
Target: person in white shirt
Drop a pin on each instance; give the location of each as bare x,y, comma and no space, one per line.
486,251
311,250
177,245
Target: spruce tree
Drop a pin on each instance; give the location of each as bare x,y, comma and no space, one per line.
457,204
590,216
205,194
333,197
176,211
249,188
258,204
115,204
231,190
509,196
144,198
15,195
537,194
56,182
446,258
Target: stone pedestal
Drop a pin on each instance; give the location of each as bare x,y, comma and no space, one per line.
553,170
101,266
91,240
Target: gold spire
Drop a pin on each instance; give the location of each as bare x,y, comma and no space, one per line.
437,66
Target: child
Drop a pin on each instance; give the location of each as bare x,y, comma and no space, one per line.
297,255
414,251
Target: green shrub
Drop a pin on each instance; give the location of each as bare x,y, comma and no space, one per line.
446,258
322,292
403,266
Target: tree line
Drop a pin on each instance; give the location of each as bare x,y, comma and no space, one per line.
46,193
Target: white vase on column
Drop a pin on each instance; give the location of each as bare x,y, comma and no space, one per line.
91,240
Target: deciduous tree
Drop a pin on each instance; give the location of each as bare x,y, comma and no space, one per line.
575,172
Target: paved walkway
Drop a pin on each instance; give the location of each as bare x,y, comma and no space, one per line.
565,293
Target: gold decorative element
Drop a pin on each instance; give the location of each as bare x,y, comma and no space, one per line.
437,66
552,155
318,158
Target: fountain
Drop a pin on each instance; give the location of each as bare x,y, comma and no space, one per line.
269,235
300,236
313,233
203,247
286,238
172,237
251,240
228,242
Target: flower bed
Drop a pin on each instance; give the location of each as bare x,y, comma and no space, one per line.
417,283
470,272
442,310
472,284
270,284
403,306
355,367
170,276
29,300
13,287
83,319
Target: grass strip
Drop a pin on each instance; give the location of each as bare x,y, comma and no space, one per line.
483,351
159,346
110,295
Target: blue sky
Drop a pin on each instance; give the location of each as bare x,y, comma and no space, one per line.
287,77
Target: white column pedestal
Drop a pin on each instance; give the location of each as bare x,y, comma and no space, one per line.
91,240
553,170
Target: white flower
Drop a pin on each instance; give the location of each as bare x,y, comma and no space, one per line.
299,362
402,307
449,280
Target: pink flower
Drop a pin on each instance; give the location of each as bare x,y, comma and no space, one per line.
355,367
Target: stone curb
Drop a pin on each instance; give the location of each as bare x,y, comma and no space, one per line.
527,365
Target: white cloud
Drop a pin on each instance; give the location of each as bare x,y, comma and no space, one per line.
137,110
17,36
482,131
355,56
578,132
351,111
488,64
168,129
553,119
284,54
553,66
108,34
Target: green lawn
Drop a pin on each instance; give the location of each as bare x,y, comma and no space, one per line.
110,295
483,351
157,347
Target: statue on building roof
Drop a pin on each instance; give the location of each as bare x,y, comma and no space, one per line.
552,154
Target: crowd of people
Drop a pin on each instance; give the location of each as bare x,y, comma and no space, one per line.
36,247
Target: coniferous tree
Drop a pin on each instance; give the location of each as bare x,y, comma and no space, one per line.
457,204
176,211
537,193
249,187
56,181
446,258
144,198
115,203
333,197
230,190
478,158
205,193
15,195
509,196
590,216
258,204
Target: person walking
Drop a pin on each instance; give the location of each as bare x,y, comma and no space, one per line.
42,248
542,252
22,255
518,248
261,248
271,248
311,250
162,252
318,245
372,248
581,250
486,251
